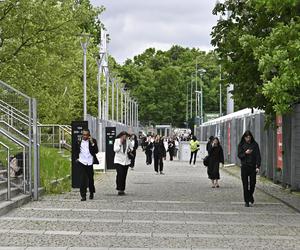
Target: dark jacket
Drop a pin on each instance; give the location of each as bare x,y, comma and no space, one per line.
148,146
250,160
215,154
208,146
93,147
159,149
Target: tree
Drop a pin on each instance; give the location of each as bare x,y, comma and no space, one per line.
40,53
159,81
247,40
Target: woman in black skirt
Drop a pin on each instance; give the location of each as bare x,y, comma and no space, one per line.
216,156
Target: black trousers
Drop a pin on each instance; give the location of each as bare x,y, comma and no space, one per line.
133,160
86,179
195,155
121,176
149,157
158,161
248,175
171,155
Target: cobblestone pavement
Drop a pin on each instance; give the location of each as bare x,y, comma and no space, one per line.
178,210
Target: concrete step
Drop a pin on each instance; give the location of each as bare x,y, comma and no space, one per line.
14,193
3,184
15,202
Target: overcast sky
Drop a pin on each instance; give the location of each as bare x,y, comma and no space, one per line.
135,25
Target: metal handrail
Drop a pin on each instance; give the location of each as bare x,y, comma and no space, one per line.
15,109
17,116
13,128
14,90
18,140
8,173
24,152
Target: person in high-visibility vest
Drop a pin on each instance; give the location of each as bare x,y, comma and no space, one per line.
194,146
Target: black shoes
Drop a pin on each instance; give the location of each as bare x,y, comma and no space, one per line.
91,196
121,193
83,198
247,204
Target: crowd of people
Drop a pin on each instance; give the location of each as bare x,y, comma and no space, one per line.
156,149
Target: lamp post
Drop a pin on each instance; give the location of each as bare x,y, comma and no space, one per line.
220,90
117,88
84,41
202,72
191,95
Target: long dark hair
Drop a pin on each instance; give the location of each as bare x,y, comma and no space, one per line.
121,134
247,133
216,138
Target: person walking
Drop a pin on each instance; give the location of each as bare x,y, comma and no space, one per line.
215,157
159,154
176,147
135,144
85,153
171,149
148,150
249,154
194,146
209,143
122,147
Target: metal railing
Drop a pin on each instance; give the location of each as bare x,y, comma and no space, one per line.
24,146
8,175
18,118
55,135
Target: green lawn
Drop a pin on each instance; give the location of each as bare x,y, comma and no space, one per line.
54,166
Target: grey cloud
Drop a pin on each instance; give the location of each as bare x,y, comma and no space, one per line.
135,25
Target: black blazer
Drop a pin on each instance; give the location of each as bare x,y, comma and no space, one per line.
93,147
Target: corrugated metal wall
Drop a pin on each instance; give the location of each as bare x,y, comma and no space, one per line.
231,131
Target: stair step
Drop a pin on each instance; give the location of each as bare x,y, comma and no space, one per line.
3,171
14,192
17,201
3,184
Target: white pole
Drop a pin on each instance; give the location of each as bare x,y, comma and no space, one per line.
112,99
138,115
196,88
220,90
107,96
122,107
117,106
84,46
191,96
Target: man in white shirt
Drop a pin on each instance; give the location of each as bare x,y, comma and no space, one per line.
86,156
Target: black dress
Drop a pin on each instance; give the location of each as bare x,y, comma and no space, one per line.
216,157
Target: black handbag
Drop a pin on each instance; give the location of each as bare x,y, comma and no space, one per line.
130,155
206,160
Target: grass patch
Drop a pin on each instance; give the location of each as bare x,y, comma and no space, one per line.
54,166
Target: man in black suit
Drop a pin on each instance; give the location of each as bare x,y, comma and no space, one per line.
86,150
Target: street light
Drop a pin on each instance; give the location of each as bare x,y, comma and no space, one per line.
84,41
202,72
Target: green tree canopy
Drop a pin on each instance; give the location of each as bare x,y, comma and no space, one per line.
161,82
258,43
40,53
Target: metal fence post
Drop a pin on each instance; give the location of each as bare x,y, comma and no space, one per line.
35,151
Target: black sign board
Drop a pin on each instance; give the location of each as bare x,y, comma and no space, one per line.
110,135
77,127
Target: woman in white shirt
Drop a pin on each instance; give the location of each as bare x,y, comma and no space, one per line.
122,162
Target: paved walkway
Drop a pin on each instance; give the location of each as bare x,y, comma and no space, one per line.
178,210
